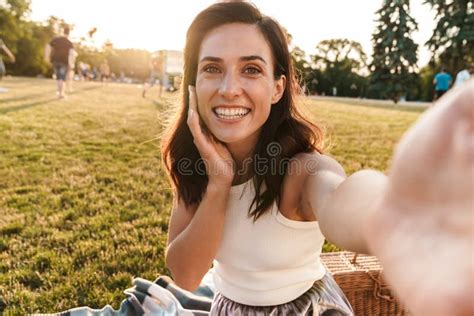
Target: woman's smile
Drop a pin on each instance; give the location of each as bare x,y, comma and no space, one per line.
231,114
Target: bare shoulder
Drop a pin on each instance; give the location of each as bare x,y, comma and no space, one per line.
301,167
314,162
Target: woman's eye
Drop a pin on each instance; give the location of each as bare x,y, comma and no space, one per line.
252,71
211,69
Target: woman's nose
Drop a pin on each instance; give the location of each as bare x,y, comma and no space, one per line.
230,86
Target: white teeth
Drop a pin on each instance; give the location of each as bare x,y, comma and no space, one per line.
231,113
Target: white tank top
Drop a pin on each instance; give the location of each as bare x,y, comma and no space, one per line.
270,261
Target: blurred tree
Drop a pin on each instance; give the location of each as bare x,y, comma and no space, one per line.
304,73
18,8
299,61
395,54
427,74
301,65
339,51
133,62
30,50
452,42
341,64
11,23
26,39
89,54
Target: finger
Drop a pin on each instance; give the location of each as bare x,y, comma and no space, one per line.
193,120
192,98
436,126
459,101
464,142
193,105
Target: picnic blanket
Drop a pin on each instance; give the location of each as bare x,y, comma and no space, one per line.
161,297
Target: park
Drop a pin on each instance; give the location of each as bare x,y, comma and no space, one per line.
85,195
84,198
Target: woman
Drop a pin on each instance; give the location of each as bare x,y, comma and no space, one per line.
254,193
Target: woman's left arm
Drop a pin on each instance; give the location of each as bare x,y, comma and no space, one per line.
343,205
419,221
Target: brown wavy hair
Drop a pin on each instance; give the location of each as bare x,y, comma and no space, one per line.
285,125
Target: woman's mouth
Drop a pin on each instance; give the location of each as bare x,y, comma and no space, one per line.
230,113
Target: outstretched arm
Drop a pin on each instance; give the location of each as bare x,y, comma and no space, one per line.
344,205
419,221
423,231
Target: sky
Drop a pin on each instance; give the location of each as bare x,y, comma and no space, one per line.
162,24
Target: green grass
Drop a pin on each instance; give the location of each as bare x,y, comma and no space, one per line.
84,200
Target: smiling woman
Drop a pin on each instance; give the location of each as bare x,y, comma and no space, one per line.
260,226
243,101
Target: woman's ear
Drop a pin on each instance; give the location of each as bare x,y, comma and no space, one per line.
279,89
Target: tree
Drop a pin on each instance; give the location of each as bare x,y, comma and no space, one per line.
299,62
339,51
26,39
427,73
452,42
341,63
301,65
30,50
395,54
11,23
18,8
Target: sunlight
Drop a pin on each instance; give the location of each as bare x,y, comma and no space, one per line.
154,25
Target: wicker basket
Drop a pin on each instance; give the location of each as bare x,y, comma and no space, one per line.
360,278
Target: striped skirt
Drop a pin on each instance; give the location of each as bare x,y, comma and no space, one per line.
323,298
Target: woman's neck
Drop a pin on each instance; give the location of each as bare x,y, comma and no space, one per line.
241,152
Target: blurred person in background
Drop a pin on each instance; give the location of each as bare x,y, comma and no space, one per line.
58,53
463,75
442,82
104,69
157,73
71,69
7,51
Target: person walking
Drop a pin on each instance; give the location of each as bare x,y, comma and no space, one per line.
104,70
157,73
58,52
7,51
442,81
71,69
463,75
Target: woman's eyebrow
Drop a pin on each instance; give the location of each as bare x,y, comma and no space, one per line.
252,57
243,58
211,58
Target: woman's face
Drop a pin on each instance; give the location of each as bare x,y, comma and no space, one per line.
235,83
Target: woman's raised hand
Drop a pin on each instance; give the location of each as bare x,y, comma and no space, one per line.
216,156
423,232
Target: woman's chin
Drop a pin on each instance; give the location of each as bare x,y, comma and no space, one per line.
228,139
238,138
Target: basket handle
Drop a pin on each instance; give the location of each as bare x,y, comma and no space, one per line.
378,282
379,287
354,259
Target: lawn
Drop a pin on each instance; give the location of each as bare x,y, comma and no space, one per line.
84,199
